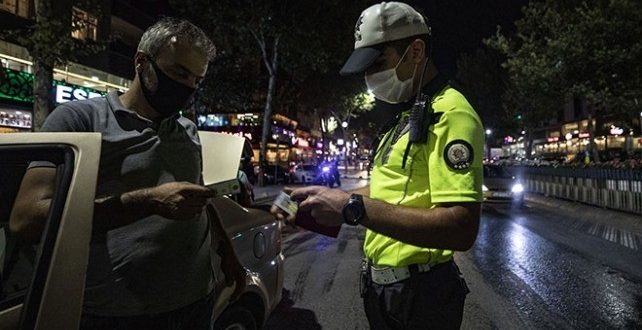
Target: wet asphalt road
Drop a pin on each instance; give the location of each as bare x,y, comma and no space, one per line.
532,268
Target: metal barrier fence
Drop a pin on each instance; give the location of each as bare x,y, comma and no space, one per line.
618,189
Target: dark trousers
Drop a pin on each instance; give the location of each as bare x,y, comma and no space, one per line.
428,300
197,316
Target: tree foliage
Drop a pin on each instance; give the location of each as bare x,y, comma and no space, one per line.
313,39
534,88
586,49
482,79
48,39
281,45
601,47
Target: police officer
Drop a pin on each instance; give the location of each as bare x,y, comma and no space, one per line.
425,194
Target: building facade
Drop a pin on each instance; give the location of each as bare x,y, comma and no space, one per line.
569,135
119,24
289,142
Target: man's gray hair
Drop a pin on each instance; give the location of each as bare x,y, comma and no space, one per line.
169,30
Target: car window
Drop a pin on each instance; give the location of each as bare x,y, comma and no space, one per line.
309,167
23,263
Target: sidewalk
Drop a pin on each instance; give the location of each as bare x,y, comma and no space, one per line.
580,211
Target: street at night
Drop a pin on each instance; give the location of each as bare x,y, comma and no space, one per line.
187,164
540,267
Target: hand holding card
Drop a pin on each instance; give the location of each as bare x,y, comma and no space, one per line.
304,219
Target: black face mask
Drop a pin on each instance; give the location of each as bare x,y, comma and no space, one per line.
170,96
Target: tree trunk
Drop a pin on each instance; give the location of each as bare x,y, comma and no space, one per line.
267,116
42,84
267,112
43,73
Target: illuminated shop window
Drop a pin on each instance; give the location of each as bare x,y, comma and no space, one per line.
16,7
85,25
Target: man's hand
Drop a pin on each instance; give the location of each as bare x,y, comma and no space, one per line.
324,204
176,200
233,270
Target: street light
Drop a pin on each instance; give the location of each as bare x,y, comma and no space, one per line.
344,124
489,132
276,166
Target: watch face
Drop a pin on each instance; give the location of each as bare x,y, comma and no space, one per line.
351,212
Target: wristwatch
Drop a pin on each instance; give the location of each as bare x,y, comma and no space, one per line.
354,211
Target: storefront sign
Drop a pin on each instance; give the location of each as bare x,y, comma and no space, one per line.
15,118
18,86
67,93
616,130
241,134
301,142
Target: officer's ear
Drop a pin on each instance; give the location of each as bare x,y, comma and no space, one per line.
418,51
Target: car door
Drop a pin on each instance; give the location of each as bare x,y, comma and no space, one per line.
42,284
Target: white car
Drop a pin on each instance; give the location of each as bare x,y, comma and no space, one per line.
305,173
42,285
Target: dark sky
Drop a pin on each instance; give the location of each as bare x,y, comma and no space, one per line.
459,26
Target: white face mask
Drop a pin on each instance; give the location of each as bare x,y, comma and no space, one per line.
386,86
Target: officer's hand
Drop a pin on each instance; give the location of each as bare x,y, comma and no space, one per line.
280,214
324,204
178,200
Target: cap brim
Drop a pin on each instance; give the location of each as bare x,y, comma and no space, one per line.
360,60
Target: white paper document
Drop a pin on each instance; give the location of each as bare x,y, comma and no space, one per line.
221,157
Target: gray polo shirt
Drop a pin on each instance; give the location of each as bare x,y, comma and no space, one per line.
155,264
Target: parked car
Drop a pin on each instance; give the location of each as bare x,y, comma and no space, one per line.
304,173
43,285
500,186
269,172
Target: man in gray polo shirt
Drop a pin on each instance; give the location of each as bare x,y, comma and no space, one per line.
149,265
